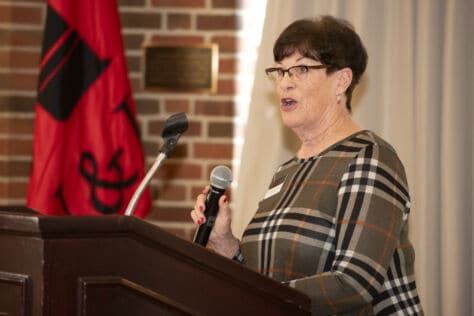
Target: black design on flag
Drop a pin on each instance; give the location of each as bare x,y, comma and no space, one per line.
68,68
92,177
59,195
125,108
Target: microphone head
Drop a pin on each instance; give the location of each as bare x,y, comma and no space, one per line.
175,124
221,177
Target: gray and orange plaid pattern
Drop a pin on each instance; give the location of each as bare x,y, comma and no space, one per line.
335,227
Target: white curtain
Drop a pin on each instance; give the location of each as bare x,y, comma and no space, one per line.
417,93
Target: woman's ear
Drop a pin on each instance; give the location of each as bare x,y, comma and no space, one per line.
344,79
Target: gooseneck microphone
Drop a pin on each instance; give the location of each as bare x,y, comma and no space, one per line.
175,125
221,177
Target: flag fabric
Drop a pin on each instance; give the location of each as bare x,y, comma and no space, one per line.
87,154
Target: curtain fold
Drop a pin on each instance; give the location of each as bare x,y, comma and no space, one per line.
426,221
417,94
456,160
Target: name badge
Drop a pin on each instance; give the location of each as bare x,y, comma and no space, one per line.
275,186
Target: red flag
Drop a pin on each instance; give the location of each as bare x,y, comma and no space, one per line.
87,153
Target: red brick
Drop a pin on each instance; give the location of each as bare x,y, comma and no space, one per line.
196,190
15,168
178,105
181,151
218,22
152,149
18,59
228,65
227,4
16,126
213,151
227,44
21,37
173,171
171,214
133,41
177,39
16,14
133,63
16,147
136,83
17,81
216,108
147,106
156,126
140,20
179,21
226,87
221,129
13,190
179,3
172,192
17,104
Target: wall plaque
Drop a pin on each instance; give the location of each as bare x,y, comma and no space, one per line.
186,68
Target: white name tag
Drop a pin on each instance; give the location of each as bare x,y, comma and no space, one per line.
273,191
275,187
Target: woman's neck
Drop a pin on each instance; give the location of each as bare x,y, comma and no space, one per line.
330,129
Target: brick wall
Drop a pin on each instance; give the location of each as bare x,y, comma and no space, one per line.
209,140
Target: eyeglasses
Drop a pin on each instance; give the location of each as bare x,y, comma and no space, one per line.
297,72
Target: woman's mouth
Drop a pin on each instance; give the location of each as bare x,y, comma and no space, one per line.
286,102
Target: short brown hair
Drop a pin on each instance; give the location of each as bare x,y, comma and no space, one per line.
329,40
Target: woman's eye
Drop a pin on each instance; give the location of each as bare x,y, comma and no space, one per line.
301,69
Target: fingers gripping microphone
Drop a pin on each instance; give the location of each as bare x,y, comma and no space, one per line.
221,177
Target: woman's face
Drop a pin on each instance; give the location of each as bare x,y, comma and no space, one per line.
305,100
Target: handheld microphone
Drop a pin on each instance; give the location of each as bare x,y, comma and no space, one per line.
221,177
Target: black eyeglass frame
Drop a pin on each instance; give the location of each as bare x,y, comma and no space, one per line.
270,70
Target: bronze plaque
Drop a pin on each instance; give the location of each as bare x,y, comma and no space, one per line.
180,68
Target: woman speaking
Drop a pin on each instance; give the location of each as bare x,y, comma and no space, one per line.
334,221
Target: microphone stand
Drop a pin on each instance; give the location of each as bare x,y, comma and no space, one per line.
174,127
138,192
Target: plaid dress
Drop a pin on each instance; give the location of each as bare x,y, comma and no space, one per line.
334,226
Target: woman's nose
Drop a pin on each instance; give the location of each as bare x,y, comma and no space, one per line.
286,83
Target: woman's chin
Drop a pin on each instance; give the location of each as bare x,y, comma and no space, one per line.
290,121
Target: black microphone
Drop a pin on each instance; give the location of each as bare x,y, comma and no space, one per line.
221,177
175,125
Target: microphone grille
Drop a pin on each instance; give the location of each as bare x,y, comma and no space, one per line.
221,177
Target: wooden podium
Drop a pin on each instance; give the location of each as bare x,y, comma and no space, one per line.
117,265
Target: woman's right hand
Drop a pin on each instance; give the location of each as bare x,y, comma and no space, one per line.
221,239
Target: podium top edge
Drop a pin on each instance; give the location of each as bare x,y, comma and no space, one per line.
32,223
